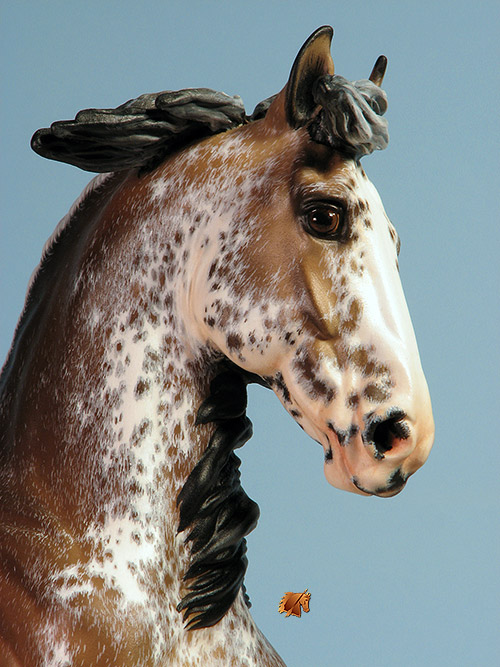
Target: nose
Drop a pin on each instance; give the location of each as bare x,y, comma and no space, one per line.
376,457
385,432
389,438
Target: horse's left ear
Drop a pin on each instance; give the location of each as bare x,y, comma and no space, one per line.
378,71
313,60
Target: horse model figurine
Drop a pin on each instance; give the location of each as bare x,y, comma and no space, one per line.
213,249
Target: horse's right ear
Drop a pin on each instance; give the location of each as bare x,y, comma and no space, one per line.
313,60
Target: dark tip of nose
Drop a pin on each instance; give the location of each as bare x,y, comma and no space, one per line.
382,432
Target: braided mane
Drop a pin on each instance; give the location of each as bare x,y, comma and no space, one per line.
214,504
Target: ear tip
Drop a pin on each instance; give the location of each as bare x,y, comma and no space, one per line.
378,70
325,31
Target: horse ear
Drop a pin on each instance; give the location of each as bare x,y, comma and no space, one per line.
313,60
378,71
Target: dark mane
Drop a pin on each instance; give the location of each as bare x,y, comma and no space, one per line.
141,132
214,504
350,119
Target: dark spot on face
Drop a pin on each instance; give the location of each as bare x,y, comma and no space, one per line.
328,455
350,323
224,312
178,237
212,269
356,210
376,394
281,386
322,389
296,414
234,341
368,223
315,387
141,387
210,321
304,364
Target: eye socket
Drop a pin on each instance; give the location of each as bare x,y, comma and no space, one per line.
323,220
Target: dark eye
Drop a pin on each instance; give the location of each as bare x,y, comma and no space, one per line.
323,220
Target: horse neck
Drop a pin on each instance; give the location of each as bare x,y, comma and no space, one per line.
104,424
100,380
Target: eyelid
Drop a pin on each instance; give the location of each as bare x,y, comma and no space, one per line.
313,203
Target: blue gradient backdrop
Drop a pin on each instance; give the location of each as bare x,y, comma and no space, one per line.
412,580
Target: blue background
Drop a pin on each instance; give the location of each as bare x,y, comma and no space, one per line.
413,580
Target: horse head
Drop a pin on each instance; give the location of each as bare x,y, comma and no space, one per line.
302,287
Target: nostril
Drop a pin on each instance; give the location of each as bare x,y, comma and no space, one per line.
382,432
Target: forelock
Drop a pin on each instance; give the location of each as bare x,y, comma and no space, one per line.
351,116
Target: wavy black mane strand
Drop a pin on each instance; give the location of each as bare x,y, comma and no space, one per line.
214,504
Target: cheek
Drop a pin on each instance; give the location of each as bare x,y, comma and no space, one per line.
256,335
